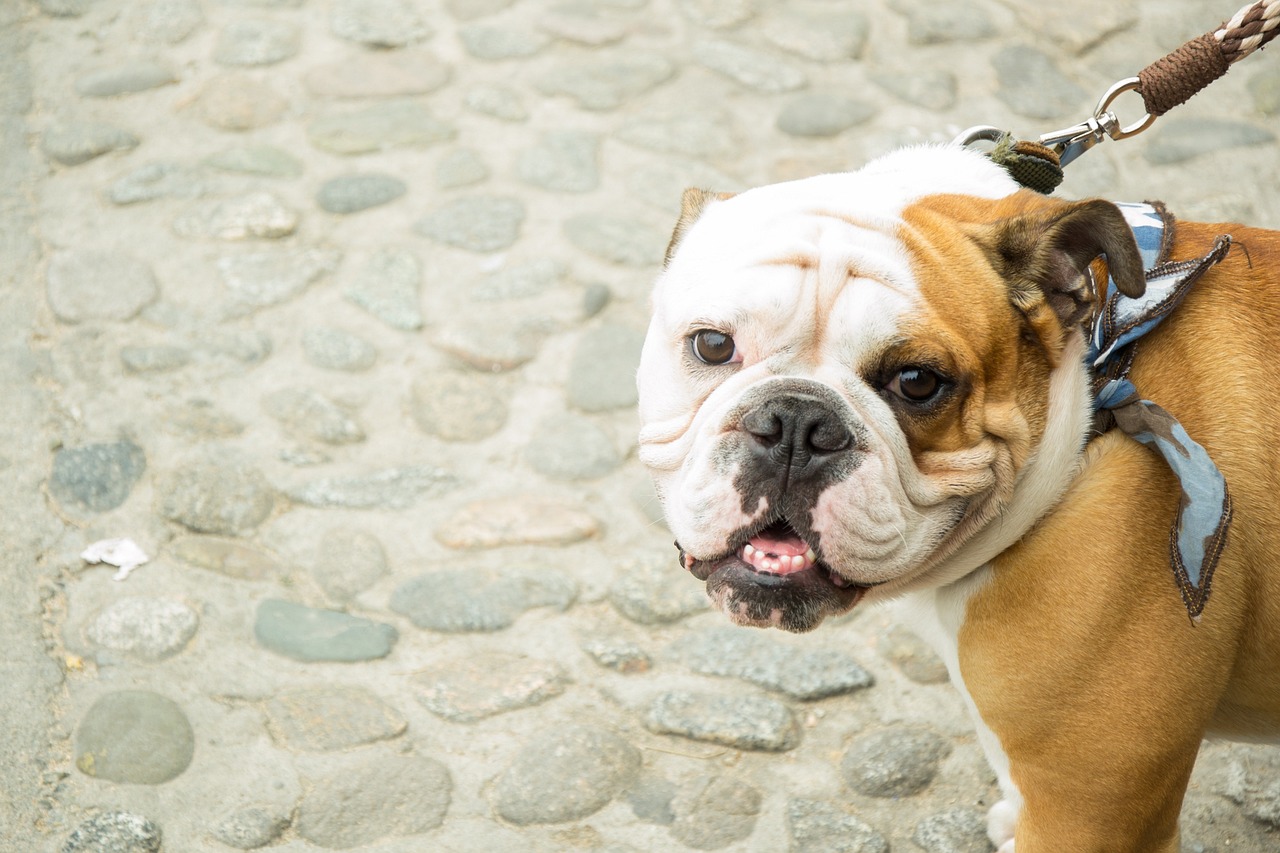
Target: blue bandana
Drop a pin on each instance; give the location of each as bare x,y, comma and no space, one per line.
1199,530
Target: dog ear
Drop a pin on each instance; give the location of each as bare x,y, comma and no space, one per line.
692,203
1045,257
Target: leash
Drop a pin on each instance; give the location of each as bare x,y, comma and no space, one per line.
1164,84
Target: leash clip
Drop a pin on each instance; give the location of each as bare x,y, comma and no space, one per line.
1073,141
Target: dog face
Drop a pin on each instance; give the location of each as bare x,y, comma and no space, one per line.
848,378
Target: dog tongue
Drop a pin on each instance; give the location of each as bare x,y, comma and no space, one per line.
785,545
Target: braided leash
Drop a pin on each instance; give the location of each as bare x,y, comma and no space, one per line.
1164,84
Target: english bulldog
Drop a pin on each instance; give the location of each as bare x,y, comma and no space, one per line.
877,385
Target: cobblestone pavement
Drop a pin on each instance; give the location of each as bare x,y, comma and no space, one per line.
333,308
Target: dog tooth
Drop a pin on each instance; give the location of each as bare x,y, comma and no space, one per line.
811,556
748,550
797,563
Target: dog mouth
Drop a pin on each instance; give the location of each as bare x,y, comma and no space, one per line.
774,577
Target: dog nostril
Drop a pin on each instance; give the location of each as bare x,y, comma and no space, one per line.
829,437
765,427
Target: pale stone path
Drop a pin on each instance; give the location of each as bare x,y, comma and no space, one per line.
333,307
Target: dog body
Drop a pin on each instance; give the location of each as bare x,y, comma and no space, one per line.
870,386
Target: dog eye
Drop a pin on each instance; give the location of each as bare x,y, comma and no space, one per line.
915,384
712,347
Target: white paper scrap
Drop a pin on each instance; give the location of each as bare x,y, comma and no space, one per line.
122,553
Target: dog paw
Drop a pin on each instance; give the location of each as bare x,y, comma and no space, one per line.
1001,820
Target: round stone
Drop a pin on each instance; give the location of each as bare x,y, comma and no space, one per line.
607,84
653,590
215,495
617,653
96,477
1265,89
571,447
933,89
603,368
160,359
956,21
477,223
378,23
250,828
520,281
147,628
498,102
517,520
1180,140
565,774
808,673
114,832
348,562
362,799
334,349
718,14
706,134
73,143
256,42
125,79
820,37
93,284
378,77
621,241
482,685
326,719
307,634
394,124
469,10
742,722
239,102
822,115
458,407
460,168
166,21
490,342
63,8
714,811
1032,85
134,736
257,160
226,556
913,656
463,600
568,161
157,180
389,488
310,414
255,215
756,70
818,827
259,279
894,762
954,831
353,193
387,286
498,43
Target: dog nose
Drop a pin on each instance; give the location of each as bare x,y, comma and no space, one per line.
796,433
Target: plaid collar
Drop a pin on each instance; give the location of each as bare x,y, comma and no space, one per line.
1199,530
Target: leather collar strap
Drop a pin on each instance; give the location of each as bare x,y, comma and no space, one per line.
1199,531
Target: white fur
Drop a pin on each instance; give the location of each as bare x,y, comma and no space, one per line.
936,616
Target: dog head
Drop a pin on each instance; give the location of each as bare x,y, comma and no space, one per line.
859,384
